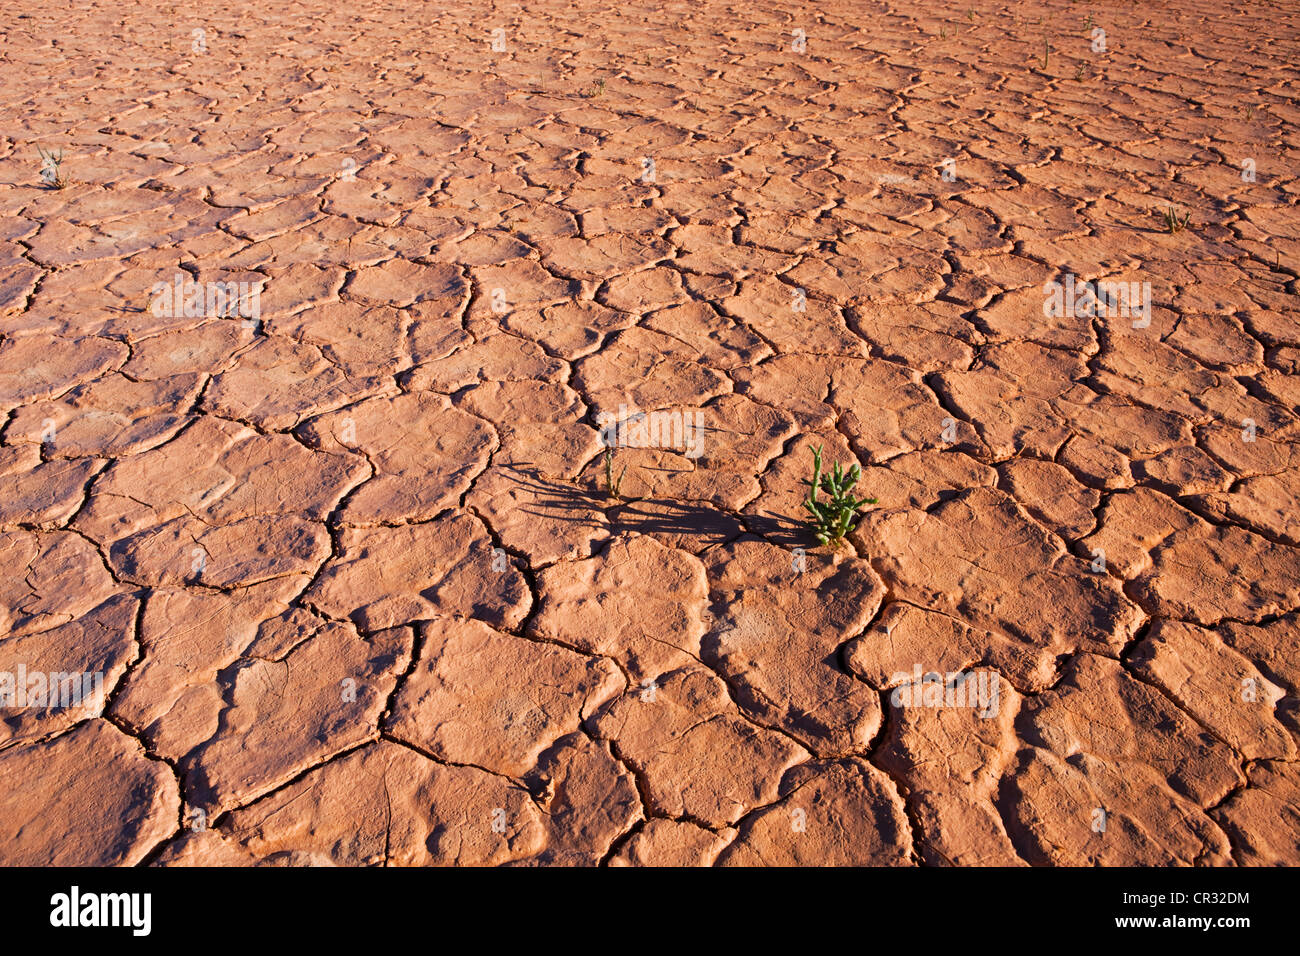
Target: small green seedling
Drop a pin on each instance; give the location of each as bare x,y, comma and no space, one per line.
1078,74
1047,51
613,486
943,33
833,519
1250,112
51,174
970,15
1173,223
596,90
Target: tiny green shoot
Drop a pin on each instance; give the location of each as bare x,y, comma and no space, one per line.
834,518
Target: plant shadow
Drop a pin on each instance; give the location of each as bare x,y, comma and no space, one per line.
690,525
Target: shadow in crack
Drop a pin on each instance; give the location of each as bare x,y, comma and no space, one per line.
782,530
688,525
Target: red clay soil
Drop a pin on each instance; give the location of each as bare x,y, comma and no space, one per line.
346,562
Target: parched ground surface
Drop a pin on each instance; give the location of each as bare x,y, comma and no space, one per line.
351,576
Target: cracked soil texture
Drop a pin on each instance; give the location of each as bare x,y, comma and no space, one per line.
350,573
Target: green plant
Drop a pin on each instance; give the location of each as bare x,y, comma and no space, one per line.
1078,74
596,90
613,485
1173,223
970,15
834,518
1047,51
50,171
943,33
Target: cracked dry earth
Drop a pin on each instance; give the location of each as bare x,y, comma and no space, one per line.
352,578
